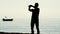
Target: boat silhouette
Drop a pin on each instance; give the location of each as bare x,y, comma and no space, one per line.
7,19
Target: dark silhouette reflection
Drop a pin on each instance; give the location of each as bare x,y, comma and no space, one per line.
35,17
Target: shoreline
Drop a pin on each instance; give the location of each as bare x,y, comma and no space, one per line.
13,33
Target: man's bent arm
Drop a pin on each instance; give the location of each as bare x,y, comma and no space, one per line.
30,9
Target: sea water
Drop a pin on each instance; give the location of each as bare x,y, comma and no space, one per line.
22,25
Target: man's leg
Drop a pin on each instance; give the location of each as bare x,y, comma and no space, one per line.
37,27
32,27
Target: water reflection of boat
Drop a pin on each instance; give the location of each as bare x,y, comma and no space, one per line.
6,19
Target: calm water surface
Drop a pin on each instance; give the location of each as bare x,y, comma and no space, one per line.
48,26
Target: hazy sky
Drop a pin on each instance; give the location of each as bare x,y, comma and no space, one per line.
19,8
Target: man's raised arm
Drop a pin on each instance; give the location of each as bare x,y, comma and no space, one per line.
30,7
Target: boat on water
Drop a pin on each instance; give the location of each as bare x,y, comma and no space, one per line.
7,19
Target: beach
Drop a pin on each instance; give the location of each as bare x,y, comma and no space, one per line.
13,33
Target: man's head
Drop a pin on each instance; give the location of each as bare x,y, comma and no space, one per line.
36,5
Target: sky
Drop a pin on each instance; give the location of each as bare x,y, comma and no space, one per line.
19,8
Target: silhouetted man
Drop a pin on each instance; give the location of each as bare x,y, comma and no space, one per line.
35,17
